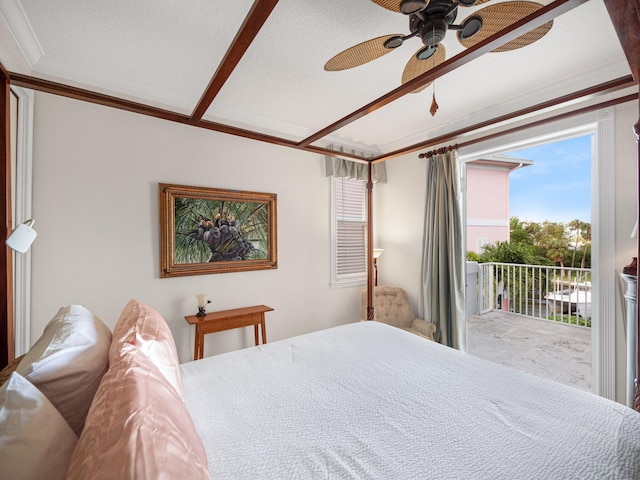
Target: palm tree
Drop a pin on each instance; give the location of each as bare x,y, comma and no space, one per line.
586,241
215,230
575,226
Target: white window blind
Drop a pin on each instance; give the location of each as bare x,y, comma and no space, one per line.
349,265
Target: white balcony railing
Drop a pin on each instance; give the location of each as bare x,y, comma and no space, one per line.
548,293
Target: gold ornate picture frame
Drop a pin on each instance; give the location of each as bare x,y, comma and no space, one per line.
209,230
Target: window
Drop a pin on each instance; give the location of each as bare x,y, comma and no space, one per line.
481,242
348,232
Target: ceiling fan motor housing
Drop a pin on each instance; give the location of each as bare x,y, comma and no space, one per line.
433,31
431,24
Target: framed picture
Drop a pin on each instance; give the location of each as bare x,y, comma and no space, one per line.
208,230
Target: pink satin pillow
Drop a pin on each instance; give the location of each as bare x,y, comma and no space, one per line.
141,325
138,427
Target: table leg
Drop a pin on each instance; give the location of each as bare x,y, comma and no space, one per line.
198,352
195,345
263,325
255,334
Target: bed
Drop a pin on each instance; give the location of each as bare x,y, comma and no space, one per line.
367,400
363,400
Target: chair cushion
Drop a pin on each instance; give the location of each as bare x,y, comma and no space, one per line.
391,306
422,328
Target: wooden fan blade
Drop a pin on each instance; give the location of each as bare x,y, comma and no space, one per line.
498,16
393,5
359,54
479,2
417,67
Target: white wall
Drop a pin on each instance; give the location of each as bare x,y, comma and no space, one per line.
626,179
399,222
96,174
400,212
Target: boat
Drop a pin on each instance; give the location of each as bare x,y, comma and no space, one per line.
570,301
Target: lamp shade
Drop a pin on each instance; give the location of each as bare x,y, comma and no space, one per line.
22,237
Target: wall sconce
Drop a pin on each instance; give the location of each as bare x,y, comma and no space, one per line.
22,237
376,254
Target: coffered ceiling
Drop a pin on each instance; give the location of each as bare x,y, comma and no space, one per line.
164,54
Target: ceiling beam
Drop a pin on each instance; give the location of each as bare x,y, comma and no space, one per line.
597,90
625,16
591,108
528,23
54,88
76,93
254,21
555,118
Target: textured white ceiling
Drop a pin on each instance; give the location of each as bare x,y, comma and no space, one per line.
164,52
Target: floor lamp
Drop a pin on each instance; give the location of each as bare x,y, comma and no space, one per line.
376,254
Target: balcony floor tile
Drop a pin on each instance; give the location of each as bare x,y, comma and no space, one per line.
551,350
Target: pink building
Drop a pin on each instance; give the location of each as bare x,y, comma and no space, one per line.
488,199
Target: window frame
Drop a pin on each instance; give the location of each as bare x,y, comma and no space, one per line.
339,280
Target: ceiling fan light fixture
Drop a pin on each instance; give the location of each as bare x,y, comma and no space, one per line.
394,42
409,7
427,52
470,27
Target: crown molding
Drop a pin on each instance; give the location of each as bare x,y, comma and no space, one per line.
15,19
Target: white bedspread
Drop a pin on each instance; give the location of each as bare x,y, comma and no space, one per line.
367,400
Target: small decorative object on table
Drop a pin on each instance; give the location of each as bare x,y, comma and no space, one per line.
201,304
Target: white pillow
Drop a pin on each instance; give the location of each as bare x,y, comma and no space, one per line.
35,441
68,362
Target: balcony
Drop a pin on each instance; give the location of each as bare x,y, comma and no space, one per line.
532,318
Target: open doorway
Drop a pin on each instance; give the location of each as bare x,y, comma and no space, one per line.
529,227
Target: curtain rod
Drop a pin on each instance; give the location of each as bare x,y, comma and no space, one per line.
440,151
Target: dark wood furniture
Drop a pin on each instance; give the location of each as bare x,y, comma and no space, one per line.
227,320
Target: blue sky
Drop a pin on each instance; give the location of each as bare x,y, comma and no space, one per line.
557,187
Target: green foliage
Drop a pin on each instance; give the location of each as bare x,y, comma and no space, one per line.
214,230
512,252
572,320
473,257
519,232
546,243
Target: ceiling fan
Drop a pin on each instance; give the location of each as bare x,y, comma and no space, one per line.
430,21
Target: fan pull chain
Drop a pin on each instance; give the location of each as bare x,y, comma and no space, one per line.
434,104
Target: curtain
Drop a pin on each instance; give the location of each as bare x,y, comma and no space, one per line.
339,167
443,259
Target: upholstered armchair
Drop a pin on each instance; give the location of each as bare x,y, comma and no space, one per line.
392,307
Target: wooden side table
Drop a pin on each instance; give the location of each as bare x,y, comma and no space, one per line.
227,320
